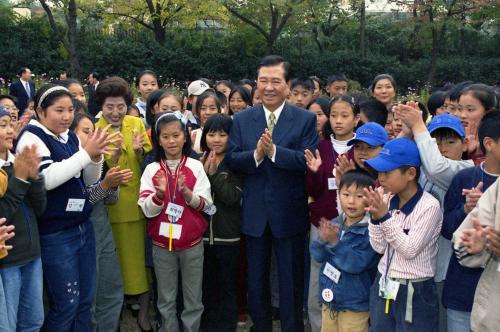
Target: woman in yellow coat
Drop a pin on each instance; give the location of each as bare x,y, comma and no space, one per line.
113,97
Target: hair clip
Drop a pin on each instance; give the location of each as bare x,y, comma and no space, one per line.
178,115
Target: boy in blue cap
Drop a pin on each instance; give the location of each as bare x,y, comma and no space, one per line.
404,227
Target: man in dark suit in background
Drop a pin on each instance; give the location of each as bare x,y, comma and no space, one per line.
23,90
267,144
93,82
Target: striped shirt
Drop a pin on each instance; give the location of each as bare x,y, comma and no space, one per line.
411,234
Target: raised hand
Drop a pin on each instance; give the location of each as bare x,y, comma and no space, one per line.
471,197
186,192
410,115
493,240
328,232
137,142
209,163
267,143
259,150
116,177
22,164
99,143
343,166
313,162
474,239
6,233
161,184
377,204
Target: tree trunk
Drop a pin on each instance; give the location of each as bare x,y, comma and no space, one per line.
159,31
362,29
71,19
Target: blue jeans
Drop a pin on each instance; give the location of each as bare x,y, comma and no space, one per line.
4,320
425,309
69,267
458,321
23,288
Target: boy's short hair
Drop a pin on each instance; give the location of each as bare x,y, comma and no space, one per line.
436,100
489,128
359,178
405,168
275,60
337,77
11,98
317,79
375,111
454,93
304,82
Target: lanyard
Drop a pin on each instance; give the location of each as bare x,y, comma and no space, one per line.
390,256
67,149
172,179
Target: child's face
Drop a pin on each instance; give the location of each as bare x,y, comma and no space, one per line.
384,91
236,103
397,125
256,100
83,130
172,139
77,92
169,104
300,97
147,84
224,89
114,110
320,117
470,112
31,107
316,89
395,181
6,134
132,111
58,116
337,88
208,108
342,120
388,125
451,147
363,152
351,201
450,107
217,141
11,107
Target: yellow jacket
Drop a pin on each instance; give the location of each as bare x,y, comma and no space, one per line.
126,209
3,182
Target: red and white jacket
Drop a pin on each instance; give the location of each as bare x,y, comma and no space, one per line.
192,221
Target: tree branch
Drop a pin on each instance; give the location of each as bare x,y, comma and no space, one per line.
135,19
247,21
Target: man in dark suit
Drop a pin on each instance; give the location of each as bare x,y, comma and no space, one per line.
93,82
23,90
267,144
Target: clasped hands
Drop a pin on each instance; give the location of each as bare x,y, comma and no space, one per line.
265,146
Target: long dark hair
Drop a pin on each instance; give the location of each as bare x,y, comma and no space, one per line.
161,119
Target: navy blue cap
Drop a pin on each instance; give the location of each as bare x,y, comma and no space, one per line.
371,133
3,111
446,121
395,154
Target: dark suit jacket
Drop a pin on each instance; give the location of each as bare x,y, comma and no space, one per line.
273,193
17,90
92,105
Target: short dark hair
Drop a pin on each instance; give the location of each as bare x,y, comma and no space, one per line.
113,87
484,93
96,75
160,121
436,100
215,123
454,93
245,81
374,110
359,178
68,82
22,70
224,82
327,129
444,133
244,93
275,60
383,77
488,127
142,73
304,82
151,101
11,98
405,168
79,107
79,117
340,77
317,79
323,102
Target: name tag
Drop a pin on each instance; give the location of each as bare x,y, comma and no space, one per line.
332,184
75,205
331,272
174,210
388,289
210,210
165,230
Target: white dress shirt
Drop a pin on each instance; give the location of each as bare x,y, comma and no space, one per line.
267,112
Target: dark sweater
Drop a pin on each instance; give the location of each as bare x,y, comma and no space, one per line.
324,202
461,282
224,227
21,205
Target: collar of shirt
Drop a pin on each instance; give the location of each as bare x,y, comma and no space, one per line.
409,206
24,82
277,113
63,137
10,160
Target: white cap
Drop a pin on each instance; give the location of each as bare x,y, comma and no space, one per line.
196,88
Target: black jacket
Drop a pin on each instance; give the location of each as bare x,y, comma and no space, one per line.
224,227
21,205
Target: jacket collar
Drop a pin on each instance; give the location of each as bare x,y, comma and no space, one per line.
409,206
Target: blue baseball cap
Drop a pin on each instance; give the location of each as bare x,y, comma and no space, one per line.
371,133
3,111
446,121
395,154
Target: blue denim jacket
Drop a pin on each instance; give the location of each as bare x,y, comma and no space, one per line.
354,257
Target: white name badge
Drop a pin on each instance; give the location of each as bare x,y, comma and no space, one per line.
165,230
174,210
210,210
75,205
331,272
388,289
327,295
332,184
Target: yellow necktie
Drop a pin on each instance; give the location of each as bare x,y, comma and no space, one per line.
271,122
